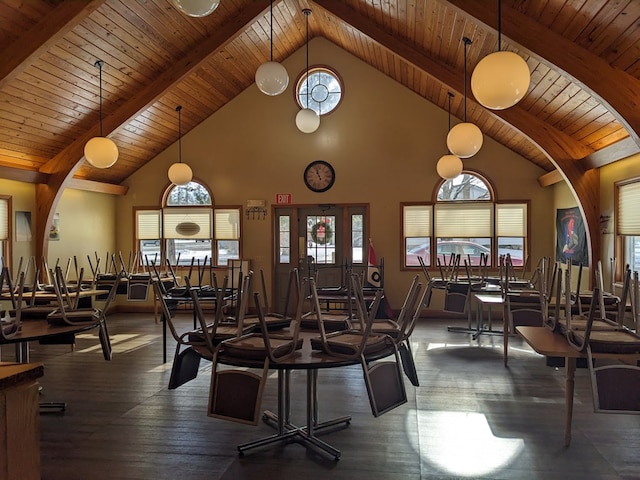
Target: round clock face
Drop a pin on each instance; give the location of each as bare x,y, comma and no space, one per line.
319,176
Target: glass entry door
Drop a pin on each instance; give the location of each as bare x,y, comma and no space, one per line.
320,241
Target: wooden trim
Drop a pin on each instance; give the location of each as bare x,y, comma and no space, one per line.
93,186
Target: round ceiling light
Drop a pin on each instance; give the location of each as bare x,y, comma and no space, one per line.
101,152
196,8
449,166
500,80
180,173
464,140
272,78
307,120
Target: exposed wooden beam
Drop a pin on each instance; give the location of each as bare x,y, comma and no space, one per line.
21,175
98,187
63,165
38,39
553,141
617,151
562,150
551,178
613,87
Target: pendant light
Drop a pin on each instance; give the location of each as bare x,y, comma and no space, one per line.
449,166
180,173
196,8
101,152
271,77
465,139
501,79
307,119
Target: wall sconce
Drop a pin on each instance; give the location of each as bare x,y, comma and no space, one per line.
256,209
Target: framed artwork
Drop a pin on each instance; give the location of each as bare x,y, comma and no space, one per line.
23,226
54,229
571,237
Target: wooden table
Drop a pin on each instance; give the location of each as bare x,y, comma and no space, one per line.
19,421
311,361
552,344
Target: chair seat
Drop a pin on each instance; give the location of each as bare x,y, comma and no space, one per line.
387,327
223,332
332,322
347,342
252,346
89,315
273,321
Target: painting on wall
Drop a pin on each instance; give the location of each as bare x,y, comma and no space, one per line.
571,243
54,229
23,226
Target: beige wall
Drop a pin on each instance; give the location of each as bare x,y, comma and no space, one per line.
383,141
87,224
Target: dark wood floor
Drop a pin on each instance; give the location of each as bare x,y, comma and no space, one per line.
470,418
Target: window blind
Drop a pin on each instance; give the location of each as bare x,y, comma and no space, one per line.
227,226
148,224
511,220
464,220
629,209
4,219
417,220
187,223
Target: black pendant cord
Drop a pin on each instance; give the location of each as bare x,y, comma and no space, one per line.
99,65
271,23
499,23
307,12
450,96
467,42
179,110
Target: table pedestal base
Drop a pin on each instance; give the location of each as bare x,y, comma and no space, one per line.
287,431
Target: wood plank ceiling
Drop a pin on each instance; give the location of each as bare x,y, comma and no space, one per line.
582,109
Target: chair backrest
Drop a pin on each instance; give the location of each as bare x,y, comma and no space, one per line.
407,329
10,326
209,329
524,310
166,311
456,298
615,387
408,306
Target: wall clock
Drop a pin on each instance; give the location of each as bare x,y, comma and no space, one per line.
319,176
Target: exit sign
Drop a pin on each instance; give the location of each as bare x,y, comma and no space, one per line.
283,198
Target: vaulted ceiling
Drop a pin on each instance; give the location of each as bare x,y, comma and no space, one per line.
582,109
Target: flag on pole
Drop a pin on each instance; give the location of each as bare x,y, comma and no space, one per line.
374,278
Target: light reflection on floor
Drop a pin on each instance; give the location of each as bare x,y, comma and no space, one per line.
462,443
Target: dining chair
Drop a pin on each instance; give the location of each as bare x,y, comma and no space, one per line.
69,312
236,394
11,321
191,346
394,327
274,320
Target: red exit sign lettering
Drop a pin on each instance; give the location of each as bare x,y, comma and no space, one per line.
283,198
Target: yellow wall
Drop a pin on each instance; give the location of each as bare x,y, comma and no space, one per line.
383,141
87,224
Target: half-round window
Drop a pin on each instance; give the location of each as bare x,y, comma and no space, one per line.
465,187
321,90
192,193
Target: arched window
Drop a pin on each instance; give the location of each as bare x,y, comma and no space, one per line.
465,220
189,228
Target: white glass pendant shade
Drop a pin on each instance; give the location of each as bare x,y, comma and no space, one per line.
196,8
500,80
449,166
464,140
180,173
307,120
101,152
272,78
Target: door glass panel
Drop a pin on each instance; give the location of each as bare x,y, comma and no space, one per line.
284,229
357,238
321,239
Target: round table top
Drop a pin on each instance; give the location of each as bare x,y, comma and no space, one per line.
39,329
